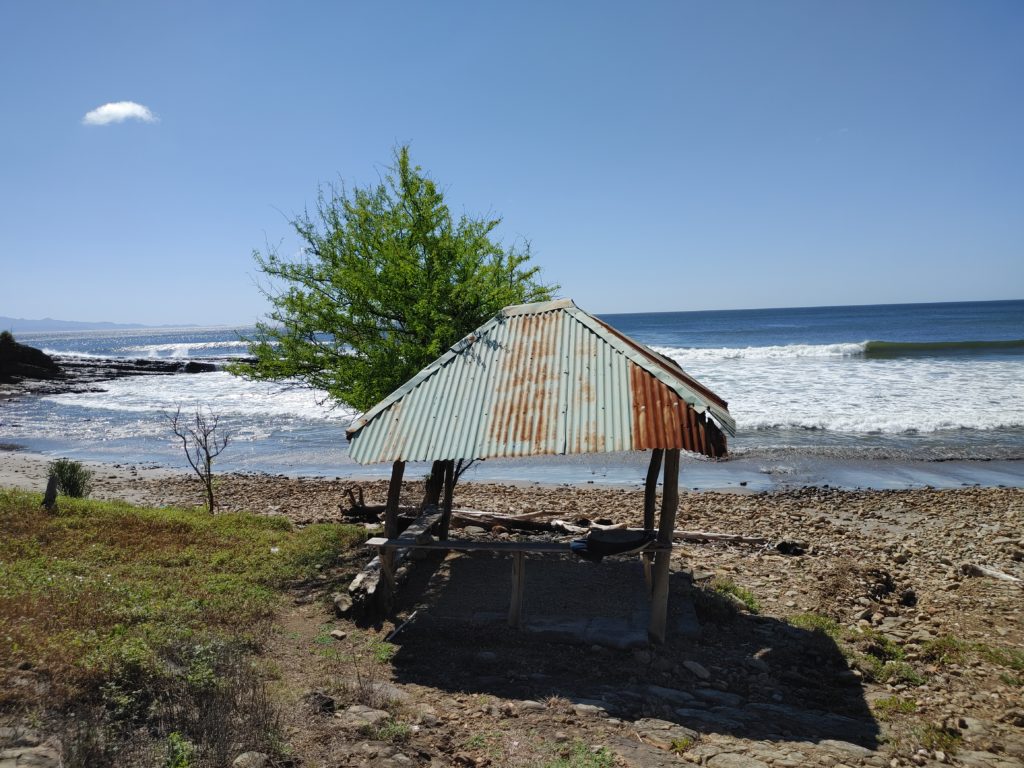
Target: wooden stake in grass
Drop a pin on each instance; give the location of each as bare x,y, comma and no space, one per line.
202,444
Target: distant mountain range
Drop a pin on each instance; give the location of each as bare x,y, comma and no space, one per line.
48,324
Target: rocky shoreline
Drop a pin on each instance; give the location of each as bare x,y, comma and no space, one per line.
932,664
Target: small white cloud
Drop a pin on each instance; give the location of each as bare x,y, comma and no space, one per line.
118,112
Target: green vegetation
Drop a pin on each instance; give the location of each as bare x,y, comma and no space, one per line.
73,479
934,737
815,622
880,659
383,651
877,657
389,281
725,586
579,755
945,650
949,650
679,746
180,751
391,731
491,743
149,617
891,706
1011,658
6,337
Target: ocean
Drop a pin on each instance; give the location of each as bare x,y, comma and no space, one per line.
886,396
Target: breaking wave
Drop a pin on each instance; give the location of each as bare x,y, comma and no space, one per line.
870,350
190,349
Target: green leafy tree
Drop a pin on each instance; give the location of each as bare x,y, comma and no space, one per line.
387,281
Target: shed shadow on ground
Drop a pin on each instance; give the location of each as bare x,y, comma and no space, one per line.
768,680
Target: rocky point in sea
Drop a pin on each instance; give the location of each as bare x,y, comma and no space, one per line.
25,369
19,362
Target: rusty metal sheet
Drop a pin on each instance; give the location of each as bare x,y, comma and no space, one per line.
541,379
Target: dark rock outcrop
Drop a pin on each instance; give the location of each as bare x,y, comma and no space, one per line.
19,362
24,369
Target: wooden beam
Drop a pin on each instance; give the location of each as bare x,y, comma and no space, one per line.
662,560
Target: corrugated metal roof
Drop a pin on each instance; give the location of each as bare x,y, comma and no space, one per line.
543,378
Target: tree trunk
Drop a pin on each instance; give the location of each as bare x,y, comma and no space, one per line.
434,486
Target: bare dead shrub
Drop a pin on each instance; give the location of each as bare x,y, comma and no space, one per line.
203,440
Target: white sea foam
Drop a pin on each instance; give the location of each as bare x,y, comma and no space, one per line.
863,397
186,349
259,403
685,355
77,355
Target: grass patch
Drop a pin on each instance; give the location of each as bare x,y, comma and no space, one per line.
935,737
579,755
392,731
873,643
879,671
945,650
889,707
1014,681
816,622
950,650
680,746
725,586
1011,658
147,614
878,658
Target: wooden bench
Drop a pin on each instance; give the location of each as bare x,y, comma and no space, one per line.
518,549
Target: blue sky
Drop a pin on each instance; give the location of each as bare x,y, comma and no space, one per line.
658,156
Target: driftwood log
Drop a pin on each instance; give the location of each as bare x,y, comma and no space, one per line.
537,521
973,569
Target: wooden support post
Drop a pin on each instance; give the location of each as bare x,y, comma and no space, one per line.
387,556
651,488
515,608
449,490
662,560
650,504
394,496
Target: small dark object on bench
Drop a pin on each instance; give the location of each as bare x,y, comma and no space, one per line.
601,543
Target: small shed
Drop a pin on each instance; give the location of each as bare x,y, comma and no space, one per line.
548,379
